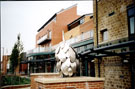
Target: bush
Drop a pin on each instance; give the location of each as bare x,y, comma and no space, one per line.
14,80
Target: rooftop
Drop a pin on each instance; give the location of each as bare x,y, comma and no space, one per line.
55,16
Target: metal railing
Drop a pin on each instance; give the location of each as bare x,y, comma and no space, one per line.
45,37
76,39
79,38
40,49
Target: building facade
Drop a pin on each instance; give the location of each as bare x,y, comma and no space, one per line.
114,34
105,48
80,37
20,69
52,29
5,66
42,59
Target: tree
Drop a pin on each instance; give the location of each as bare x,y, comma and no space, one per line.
14,59
16,54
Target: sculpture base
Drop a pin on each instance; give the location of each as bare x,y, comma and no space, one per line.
70,83
33,76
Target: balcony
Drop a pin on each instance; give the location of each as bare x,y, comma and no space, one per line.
40,50
44,39
84,36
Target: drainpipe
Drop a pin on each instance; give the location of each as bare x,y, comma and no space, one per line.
97,36
97,21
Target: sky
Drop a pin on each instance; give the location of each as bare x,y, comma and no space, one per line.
26,17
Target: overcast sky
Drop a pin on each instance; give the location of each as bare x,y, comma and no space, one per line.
26,17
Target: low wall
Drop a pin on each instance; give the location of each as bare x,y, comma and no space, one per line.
70,83
15,86
41,75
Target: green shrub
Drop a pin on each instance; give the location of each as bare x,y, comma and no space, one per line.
14,80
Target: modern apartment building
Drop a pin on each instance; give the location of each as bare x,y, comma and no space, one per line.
111,52
41,59
80,37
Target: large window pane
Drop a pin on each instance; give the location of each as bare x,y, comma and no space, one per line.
91,33
50,34
105,35
132,25
81,21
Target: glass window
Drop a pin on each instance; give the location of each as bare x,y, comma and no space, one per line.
85,47
81,48
81,21
131,11
131,19
89,46
50,34
132,25
82,36
105,35
91,33
78,49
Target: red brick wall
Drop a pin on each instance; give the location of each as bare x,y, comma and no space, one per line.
23,67
72,85
87,26
44,31
62,19
4,64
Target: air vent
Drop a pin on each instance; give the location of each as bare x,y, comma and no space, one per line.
112,13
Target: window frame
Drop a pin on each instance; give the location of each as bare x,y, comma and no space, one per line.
105,35
50,34
82,21
91,33
130,35
102,33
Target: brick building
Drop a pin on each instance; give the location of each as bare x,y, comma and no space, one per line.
114,34
80,37
5,63
41,59
112,48
54,26
23,68
20,69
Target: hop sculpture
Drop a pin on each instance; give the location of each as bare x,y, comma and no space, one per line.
67,62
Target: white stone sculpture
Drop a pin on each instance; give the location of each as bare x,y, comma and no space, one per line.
67,62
